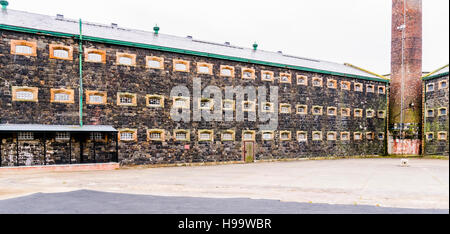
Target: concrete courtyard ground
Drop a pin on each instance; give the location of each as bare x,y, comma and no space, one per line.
373,182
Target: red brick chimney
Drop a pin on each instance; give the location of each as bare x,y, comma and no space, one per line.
405,111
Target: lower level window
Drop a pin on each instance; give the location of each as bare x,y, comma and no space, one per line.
181,135
96,136
62,136
23,136
127,135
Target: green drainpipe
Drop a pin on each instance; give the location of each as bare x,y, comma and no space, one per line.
81,75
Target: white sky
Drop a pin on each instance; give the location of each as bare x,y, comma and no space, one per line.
354,31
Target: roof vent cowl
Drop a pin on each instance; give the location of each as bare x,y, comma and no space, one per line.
4,4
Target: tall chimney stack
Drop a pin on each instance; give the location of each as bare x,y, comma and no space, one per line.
405,111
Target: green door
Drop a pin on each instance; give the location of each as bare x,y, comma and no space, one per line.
249,151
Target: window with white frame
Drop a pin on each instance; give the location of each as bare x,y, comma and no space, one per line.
302,80
267,76
370,113
370,88
285,108
181,102
206,104
285,135
317,110
23,49
369,135
96,136
62,97
317,136
94,57
358,113
331,136
358,87
60,53
24,95
203,69
62,136
181,135
228,136
26,136
126,136
126,99
430,87
317,82
345,85
248,135
226,71
125,60
331,111
206,135
228,104
181,65
156,135
302,136
357,136
267,135
345,136
96,98
155,101
302,109
345,112
442,111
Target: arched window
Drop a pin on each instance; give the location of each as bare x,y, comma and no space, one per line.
62,95
126,59
21,47
95,56
60,52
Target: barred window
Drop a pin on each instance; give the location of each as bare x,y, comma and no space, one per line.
126,136
181,135
331,136
358,87
26,136
96,99
228,136
126,100
23,49
285,136
62,97
285,108
317,136
59,53
302,80
345,136
94,57
302,136
96,136
62,136
206,135
267,136
24,95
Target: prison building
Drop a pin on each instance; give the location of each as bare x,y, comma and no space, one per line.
324,108
435,137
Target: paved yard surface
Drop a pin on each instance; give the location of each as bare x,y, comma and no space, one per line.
373,182
92,202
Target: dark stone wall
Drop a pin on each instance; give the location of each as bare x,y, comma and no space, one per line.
46,73
434,100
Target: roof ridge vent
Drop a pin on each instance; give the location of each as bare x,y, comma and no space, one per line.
114,25
227,43
189,37
59,17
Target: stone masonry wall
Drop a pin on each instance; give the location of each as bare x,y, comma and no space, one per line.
45,73
434,100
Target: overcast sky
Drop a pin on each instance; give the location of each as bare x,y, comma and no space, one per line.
354,31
